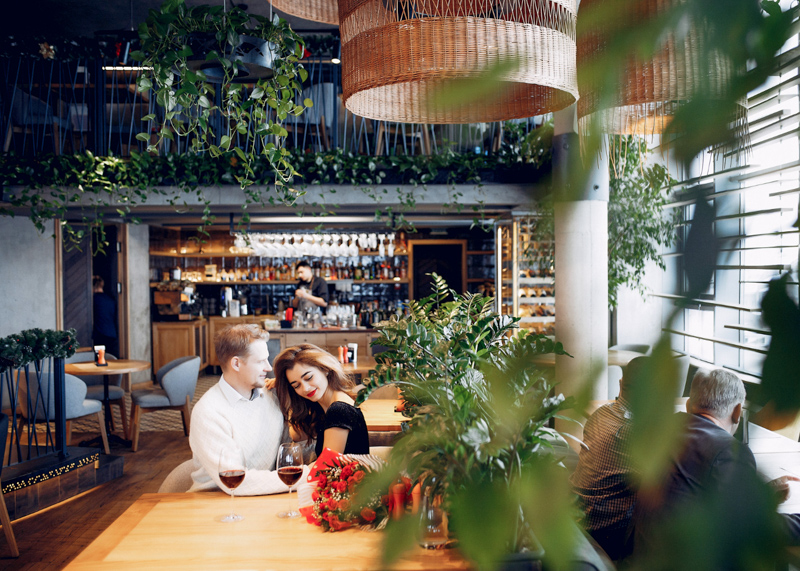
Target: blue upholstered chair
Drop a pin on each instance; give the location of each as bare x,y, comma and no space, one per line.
43,408
4,519
94,387
174,389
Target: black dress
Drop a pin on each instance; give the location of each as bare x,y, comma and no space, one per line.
343,415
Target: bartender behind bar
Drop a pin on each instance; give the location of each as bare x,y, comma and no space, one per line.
311,294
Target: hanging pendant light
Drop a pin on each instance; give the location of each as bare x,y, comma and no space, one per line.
648,92
397,54
323,11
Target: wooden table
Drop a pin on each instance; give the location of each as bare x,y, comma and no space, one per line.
114,367
182,531
615,357
380,415
362,367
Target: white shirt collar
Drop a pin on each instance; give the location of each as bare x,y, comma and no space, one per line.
233,396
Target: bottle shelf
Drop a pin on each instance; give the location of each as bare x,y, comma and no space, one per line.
293,282
162,254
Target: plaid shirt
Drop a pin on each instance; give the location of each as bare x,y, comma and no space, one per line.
602,477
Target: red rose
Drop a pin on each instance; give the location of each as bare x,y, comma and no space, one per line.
358,476
344,504
314,496
332,504
386,500
340,486
351,487
347,471
367,514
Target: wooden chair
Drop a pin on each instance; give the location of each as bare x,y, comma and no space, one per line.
316,121
33,117
411,137
174,390
4,518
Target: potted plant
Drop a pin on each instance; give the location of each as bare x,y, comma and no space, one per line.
196,59
478,433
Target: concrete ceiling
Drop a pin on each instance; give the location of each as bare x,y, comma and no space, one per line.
79,18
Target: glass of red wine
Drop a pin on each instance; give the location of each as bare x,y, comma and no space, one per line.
290,468
231,474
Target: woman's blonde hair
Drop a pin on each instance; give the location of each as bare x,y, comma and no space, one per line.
303,414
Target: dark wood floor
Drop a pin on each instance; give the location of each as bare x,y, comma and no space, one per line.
52,538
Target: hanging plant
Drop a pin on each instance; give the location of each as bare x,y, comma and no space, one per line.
196,60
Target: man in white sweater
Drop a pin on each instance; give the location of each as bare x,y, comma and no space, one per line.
238,413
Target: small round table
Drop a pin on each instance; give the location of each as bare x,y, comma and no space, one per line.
114,367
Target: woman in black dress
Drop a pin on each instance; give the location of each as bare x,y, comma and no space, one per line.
315,395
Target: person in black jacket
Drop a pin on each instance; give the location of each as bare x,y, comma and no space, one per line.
712,510
105,318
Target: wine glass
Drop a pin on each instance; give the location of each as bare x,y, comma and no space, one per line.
290,468
231,473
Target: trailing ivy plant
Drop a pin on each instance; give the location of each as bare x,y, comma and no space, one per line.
224,115
47,187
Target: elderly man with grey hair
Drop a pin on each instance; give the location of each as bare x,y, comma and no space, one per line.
712,478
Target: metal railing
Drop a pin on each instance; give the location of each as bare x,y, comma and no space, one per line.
49,106
34,396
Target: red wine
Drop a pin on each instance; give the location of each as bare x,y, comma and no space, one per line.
290,474
232,478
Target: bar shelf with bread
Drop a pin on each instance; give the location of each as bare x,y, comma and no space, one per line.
526,276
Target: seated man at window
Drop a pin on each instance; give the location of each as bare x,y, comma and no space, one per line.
712,510
602,479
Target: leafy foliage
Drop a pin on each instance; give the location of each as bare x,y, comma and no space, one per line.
232,118
34,345
638,226
479,413
637,222
48,186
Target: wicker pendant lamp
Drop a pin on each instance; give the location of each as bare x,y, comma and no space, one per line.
324,11
397,54
649,91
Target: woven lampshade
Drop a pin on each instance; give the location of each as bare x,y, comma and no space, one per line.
648,92
325,11
397,54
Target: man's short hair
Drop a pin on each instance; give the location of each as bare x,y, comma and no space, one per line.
634,370
302,264
717,392
235,340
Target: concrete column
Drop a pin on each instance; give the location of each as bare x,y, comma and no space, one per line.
581,262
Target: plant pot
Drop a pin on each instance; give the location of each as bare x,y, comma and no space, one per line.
255,57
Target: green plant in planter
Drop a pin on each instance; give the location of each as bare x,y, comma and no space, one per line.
478,431
216,113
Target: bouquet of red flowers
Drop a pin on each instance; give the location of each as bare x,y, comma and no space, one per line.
333,509
333,481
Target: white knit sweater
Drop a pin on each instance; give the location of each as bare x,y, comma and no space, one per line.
224,419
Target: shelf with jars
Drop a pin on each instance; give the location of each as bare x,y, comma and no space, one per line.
526,275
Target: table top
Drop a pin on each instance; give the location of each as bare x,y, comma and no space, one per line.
615,357
380,415
182,531
362,367
115,367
